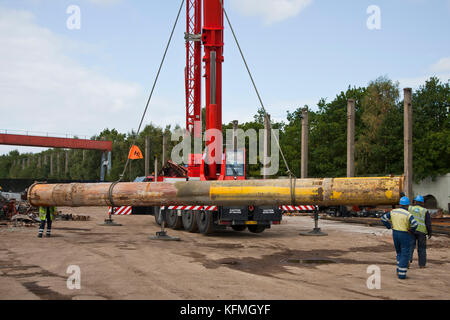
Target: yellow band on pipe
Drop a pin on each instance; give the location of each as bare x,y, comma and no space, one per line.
266,190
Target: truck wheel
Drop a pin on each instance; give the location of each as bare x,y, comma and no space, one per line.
189,221
238,228
256,228
205,222
173,221
157,214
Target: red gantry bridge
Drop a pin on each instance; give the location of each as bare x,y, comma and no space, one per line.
58,142
52,142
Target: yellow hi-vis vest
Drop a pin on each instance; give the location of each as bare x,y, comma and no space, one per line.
400,219
43,213
419,214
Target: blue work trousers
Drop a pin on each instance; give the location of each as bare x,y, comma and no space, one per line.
402,243
49,225
421,240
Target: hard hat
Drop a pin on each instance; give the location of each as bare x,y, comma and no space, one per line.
404,201
419,198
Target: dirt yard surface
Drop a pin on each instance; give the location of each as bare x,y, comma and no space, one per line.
123,263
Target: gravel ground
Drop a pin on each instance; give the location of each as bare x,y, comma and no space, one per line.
123,263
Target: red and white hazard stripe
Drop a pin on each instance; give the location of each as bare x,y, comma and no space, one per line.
121,211
214,208
298,208
195,208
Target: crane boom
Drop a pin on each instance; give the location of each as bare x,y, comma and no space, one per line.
193,67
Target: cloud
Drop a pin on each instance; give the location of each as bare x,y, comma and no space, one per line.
416,82
440,69
104,2
271,10
43,89
443,65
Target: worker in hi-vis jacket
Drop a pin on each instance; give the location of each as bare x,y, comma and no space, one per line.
402,223
423,230
46,214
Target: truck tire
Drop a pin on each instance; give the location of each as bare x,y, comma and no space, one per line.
256,228
238,228
173,221
205,222
189,221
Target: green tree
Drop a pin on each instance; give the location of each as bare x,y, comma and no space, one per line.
377,146
431,131
328,134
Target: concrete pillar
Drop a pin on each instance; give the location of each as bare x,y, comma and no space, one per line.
131,161
84,155
164,150
305,140
109,166
28,162
45,159
23,164
52,166
408,146
147,156
39,164
66,169
351,138
58,164
235,138
103,165
267,142
156,169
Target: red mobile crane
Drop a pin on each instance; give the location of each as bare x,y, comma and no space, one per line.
214,163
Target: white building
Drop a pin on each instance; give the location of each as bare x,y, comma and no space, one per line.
437,190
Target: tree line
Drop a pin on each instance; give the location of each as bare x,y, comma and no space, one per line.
378,139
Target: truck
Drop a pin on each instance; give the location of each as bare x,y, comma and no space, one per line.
206,219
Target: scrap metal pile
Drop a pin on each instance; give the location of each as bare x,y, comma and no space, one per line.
22,213
19,212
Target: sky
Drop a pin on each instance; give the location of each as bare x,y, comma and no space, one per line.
65,81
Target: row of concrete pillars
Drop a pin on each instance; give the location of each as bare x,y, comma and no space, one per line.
54,159
408,148
55,164
44,160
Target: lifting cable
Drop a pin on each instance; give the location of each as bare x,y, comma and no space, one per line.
292,177
146,106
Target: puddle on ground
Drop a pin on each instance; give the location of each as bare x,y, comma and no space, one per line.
279,261
229,262
221,245
308,261
45,292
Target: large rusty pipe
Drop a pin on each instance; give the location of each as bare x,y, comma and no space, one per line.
324,192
